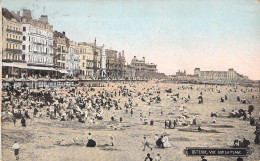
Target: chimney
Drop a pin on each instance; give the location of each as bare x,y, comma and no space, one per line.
144,59
27,14
63,33
135,57
44,19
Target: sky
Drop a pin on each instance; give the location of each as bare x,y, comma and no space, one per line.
174,34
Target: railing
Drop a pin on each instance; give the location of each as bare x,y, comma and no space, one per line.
14,50
37,52
13,40
14,31
11,60
38,43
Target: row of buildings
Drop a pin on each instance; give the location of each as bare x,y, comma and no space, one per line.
208,76
32,49
230,74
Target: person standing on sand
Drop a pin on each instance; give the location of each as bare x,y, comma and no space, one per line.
112,140
148,157
23,122
14,120
16,148
158,157
146,143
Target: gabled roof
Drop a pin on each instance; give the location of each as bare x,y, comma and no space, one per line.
7,14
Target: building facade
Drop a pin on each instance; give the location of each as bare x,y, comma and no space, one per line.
130,72
115,64
86,59
218,75
61,52
37,38
73,59
11,44
145,70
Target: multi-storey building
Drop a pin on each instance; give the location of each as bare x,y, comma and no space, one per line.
138,64
37,41
130,72
73,59
145,70
115,64
218,75
103,62
13,58
86,59
61,46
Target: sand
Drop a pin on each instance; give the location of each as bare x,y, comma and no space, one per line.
39,140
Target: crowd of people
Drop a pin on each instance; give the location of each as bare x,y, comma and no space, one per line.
89,105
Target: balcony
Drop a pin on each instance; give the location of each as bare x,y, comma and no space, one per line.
13,31
38,43
16,51
14,40
11,60
37,52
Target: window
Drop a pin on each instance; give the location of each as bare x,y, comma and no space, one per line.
23,57
24,38
23,47
24,28
7,45
29,38
29,48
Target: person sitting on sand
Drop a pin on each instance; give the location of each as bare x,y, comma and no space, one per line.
159,142
203,158
62,143
193,120
181,107
214,119
62,118
166,143
145,120
91,143
75,140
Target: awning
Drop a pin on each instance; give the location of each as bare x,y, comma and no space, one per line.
4,64
63,71
41,68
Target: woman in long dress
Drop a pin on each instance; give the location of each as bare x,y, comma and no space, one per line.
166,143
181,107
